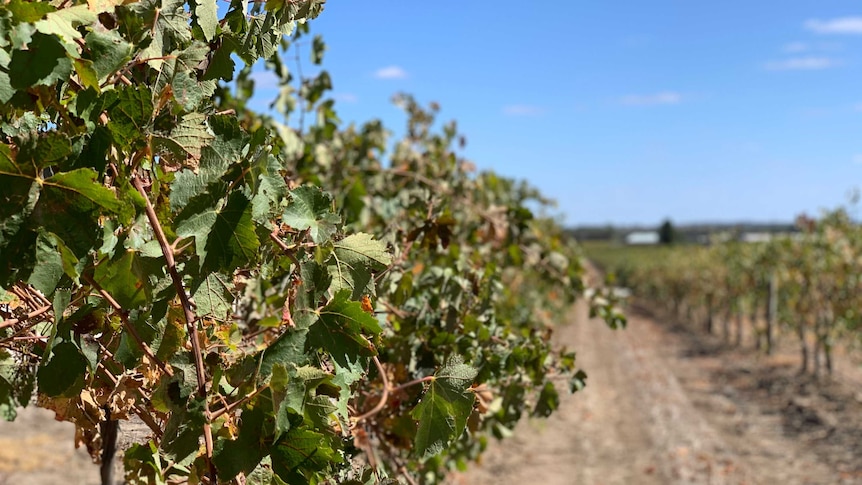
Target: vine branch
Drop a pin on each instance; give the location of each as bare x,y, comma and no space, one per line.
232,406
33,314
190,317
388,389
127,325
383,398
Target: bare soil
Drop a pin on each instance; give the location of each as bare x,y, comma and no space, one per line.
663,405
35,449
667,405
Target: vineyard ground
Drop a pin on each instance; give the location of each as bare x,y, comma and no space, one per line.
663,405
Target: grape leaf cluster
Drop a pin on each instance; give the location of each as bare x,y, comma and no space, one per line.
276,302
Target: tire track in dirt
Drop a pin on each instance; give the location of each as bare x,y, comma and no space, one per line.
633,423
666,405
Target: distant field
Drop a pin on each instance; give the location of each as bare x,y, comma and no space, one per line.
617,261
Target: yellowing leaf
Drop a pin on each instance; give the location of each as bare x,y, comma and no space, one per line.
63,23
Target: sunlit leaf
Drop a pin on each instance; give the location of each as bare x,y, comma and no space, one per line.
206,13
188,137
354,260
224,232
443,411
311,209
127,279
343,329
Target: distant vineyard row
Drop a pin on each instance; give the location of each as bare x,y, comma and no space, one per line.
808,286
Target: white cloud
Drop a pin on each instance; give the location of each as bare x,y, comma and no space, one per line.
523,110
802,47
858,107
664,97
264,80
841,25
796,47
830,46
857,159
802,64
390,72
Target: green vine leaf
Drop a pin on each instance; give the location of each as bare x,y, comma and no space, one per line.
287,350
127,279
215,159
444,409
292,391
354,259
108,51
301,451
86,73
62,374
171,29
213,296
188,137
341,328
345,378
41,150
263,475
206,13
271,189
63,23
548,402
224,232
221,65
243,454
311,209
43,63
130,115
80,185
49,265
29,12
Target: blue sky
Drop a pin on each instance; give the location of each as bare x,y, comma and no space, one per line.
625,111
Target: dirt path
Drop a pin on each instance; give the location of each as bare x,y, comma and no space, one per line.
36,449
660,408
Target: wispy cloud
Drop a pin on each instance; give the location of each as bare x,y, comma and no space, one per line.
661,98
264,80
796,47
841,25
390,72
346,97
802,47
858,107
523,110
802,64
857,159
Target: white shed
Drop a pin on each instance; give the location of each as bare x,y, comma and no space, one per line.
642,237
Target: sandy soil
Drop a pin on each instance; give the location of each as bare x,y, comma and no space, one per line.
35,449
666,406
663,405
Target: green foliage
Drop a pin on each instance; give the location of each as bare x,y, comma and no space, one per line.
267,299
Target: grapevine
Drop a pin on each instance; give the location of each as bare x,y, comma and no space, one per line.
274,302
804,286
